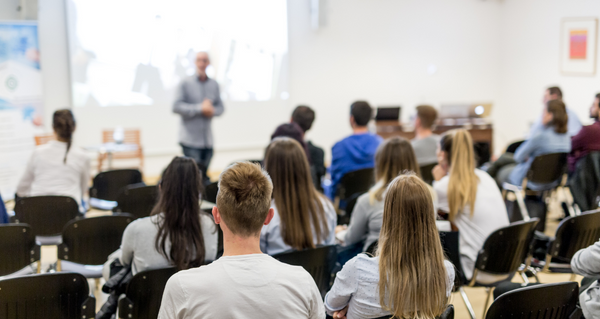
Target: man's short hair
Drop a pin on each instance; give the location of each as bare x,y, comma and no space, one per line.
362,112
427,114
244,198
598,95
555,90
304,116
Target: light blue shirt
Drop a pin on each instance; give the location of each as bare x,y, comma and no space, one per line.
546,141
271,241
573,126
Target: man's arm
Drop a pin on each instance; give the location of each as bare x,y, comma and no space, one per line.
218,104
524,150
24,186
181,107
579,141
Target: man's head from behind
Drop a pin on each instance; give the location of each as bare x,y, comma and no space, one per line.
244,199
304,116
426,116
552,93
360,114
595,109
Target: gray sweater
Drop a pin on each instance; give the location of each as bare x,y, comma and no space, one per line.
195,129
365,223
586,262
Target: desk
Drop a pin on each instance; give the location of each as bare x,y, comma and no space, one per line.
111,147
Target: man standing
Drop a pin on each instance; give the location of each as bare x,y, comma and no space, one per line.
197,101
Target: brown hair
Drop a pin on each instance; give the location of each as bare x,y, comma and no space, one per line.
244,198
560,118
427,114
555,90
298,203
362,112
63,123
304,116
180,189
462,186
412,274
394,156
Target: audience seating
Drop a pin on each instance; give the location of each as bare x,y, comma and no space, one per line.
210,192
108,185
42,139
18,250
130,136
319,262
59,295
512,148
448,314
372,249
584,183
144,294
548,301
350,203
353,183
88,242
426,173
47,215
137,199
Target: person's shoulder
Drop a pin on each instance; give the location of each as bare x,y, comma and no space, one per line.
484,177
363,262
140,223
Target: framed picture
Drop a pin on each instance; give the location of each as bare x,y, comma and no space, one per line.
578,46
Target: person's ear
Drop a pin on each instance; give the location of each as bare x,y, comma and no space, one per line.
270,215
216,215
352,121
417,122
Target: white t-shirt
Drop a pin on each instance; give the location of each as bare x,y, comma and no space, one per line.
490,214
246,286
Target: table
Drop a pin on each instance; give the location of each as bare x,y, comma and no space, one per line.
112,147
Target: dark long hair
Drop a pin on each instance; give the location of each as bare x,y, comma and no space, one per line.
180,190
292,130
63,123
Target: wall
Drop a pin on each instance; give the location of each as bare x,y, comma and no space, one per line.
9,10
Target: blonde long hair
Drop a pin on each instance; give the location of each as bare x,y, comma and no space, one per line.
299,204
412,275
394,156
462,186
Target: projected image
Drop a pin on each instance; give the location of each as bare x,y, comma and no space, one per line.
136,52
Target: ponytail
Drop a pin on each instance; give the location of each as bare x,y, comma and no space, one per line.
63,123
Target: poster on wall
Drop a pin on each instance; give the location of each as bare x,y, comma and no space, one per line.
20,100
578,46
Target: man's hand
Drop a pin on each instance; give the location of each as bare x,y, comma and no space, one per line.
340,314
207,108
438,172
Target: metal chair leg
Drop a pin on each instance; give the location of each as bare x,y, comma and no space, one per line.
524,276
487,300
465,298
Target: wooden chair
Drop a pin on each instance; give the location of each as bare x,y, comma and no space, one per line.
44,138
131,136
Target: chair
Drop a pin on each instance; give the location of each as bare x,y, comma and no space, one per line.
17,249
584,183
144,294
546,172
58,295
137,199
319,262
512,148
549,301
350,203
131,136
355,182
88,242
448,314
426,173
210,192
108,185
573,233
47,215
42,139
372,249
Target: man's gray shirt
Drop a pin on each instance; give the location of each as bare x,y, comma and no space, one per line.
195,130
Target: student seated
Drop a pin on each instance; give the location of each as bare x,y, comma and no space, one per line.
588,138
304,218
244,283
470,197
394,156
586,262
425,142
293,131
408,277
356,151
573,125
56,168
304,116
177,233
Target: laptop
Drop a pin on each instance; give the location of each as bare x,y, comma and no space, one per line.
388,113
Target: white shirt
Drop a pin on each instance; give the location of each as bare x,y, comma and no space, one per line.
48,174
271,241
357,286
246,286
490,214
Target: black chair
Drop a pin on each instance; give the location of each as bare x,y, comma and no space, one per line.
448,314
572,234
350,203
210,192
355,182
548,301
89,241
47,215
144,294
108,185
450,244
512,148
584,183
426,173
372,249
138,200
319,262
59,295
17,249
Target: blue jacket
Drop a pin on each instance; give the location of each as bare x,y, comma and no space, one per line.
350,154
3,214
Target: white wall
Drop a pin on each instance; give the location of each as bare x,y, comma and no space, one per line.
9,10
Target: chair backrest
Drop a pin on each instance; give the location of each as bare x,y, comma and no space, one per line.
131,136
90,241
355,182
59,295
210,192
448,314
319,262
513,146
575,233
450,245
44,138
372,249
137,199
548,168
548,301
506,248
47,215
144,293
108,185
17,248
426,173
